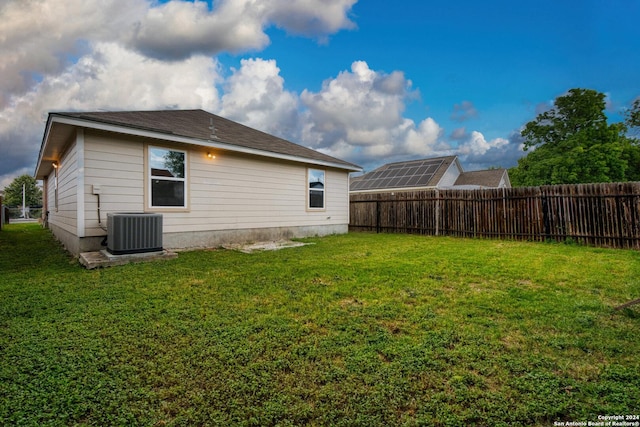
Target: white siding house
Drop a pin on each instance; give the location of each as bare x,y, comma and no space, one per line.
213,180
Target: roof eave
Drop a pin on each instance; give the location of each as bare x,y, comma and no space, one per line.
39,173
228,146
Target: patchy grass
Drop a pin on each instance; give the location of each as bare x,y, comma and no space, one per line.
360,329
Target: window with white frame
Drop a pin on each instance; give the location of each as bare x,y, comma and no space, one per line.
55,185
167,178
315,180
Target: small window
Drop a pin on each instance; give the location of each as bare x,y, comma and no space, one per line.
167,178
316,189
55,185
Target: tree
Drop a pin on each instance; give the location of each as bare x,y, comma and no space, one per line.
632,117
13,192
573,143
174,161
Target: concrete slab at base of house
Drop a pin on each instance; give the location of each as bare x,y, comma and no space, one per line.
103,258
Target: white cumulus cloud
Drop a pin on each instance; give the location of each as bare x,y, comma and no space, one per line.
476,151
478,145
178,29
110,77
42,37
359,115
353,107
311,17
255,96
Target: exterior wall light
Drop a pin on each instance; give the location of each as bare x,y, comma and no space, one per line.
211,155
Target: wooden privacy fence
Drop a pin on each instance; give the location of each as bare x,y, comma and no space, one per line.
605,215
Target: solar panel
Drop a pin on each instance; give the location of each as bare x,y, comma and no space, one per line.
404,181
413,181
415,173
412,171
377,184
395,166
423,180
422,170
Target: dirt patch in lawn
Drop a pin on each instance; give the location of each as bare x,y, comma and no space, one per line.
265,246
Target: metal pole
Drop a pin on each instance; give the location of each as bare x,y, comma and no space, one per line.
24,208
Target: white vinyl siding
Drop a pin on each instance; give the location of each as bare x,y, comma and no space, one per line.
229,192
64,214
234,191
450,176
117,165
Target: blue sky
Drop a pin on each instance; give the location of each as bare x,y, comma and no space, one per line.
505,57
365,81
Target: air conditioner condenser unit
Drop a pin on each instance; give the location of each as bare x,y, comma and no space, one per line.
131,233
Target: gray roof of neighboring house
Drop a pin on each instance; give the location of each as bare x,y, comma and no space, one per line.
483,178
197,124
410,174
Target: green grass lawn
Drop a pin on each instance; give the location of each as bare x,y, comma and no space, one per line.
360,329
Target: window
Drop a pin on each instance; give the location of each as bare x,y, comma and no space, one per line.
55,185
316,188
167,178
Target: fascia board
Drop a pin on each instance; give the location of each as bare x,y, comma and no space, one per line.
45,138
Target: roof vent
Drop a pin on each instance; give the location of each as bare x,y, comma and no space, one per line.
212,128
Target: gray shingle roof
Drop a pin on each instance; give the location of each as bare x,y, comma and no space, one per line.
484,178
196,124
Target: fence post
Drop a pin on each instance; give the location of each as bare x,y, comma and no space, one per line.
546,220
505,227
437,212
377,215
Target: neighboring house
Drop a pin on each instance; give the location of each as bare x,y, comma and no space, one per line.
214,181
489,178
439,172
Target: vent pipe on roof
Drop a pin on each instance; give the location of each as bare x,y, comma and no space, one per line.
212,128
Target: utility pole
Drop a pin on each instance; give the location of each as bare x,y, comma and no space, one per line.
25,211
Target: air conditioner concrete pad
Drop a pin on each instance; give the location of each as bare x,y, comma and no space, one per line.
103,258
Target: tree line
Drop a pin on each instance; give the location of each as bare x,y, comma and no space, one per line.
32,193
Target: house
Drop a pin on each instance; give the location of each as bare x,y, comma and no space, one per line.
438,172
213,180
489,178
